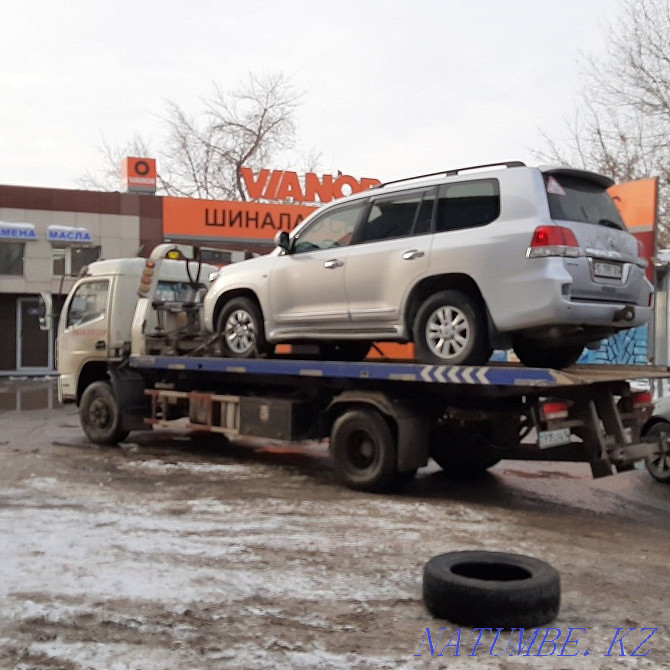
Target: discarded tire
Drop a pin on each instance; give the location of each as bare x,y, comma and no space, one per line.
491,589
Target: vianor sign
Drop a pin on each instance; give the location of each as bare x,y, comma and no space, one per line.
287,186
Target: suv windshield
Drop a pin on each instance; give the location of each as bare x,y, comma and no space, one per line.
575,199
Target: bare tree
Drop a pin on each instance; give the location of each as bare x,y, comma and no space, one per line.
623,125
204,154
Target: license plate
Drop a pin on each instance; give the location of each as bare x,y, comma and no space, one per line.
609,270
553,438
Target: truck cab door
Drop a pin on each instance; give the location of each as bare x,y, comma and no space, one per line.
83,332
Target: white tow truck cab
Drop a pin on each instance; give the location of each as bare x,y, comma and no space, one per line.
94,330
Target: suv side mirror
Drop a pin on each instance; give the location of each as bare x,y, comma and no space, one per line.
282,240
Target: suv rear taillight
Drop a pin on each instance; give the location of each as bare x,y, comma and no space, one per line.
641,249
553,241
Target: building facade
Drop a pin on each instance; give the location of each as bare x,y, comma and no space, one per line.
46,237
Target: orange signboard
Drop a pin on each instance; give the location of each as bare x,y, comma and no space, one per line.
231,220
637,202
138,175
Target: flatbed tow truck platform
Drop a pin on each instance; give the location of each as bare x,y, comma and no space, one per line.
384,419
494,375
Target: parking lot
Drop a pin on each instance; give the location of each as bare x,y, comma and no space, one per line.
179,552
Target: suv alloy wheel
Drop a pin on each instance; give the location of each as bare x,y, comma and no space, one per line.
450,329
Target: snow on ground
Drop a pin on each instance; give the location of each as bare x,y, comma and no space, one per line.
173,555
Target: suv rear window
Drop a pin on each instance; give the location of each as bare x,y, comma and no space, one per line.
574,199
468,204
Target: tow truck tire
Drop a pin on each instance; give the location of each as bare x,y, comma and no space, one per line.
460,453
404,478
363,450
491,589
241,330
99,414
455,466
450,329
658,465
534,356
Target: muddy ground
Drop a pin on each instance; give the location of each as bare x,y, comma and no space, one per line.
170,552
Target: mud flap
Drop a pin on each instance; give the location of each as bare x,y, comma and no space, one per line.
600,467
128,387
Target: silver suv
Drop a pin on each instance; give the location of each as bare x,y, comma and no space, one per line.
458,262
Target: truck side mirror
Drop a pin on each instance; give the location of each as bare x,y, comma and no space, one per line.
44,310
282,240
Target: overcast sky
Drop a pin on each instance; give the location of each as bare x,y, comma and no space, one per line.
391,88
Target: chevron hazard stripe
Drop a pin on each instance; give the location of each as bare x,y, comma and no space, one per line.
455,374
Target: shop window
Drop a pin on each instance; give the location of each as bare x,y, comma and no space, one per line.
11,258
69,261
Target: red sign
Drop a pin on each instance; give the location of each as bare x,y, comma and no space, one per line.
138,175
288,186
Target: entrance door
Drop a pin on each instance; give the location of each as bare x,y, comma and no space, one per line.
33,346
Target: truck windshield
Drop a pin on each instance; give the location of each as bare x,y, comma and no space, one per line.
575,199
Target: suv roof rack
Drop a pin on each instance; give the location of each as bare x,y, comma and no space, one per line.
450,173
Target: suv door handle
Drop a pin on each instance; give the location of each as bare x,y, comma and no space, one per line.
332,264
100,344
412,254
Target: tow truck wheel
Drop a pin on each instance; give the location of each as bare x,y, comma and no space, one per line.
363,450
462,452
534,356
658,465
240,328
99,414
404,478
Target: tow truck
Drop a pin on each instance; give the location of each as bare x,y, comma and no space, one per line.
383,419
